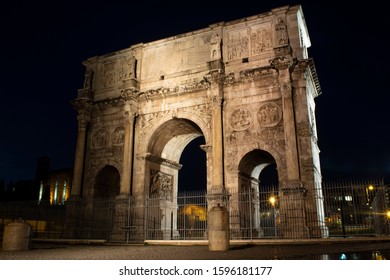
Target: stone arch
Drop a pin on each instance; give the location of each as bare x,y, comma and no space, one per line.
254,198
107,183
191,117
277,159
164,150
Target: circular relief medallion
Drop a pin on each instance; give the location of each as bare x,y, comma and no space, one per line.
241,119
118,136
100,139
269,114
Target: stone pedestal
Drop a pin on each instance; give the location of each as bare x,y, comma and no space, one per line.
218,229
17,236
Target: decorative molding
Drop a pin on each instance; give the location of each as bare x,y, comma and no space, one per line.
163,161
165,92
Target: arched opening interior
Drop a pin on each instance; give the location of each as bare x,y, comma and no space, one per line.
107,183
269,176
192,175
258,188
176,164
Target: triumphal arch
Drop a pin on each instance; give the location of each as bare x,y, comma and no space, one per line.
247,86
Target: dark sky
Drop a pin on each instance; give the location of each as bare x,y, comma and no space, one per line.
43,44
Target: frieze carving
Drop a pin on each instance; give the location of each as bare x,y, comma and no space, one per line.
261,40
116,71
272,137
202,110
148,120
240,119
250,74
127,69
269,114
109,77
130,94
161,184
238,45
251,41
164,92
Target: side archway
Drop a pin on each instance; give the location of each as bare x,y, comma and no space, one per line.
107,183
257,201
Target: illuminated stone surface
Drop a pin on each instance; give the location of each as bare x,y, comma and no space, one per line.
246,86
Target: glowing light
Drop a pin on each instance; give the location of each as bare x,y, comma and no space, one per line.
388,214
343,257
370,187
272,200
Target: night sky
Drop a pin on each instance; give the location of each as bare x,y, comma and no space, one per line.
43,44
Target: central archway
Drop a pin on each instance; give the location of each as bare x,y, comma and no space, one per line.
166,212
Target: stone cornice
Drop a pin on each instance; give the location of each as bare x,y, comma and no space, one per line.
108,102
250,75
163,161
165,92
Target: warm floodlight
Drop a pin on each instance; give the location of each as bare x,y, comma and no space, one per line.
272,200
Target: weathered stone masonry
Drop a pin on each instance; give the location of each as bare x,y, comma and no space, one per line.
246,86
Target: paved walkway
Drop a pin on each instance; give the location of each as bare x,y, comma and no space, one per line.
278,249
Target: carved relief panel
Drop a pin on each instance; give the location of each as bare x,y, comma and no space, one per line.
114,72
161,184
250,41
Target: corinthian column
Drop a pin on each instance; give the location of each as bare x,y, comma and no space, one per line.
283,66
217,144
83,107
127,164
216,96
129,112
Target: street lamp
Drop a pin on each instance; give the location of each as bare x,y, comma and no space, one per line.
369,189
272,201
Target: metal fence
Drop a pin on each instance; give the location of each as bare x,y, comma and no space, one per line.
346,210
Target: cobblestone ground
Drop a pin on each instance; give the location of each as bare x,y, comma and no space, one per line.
326,250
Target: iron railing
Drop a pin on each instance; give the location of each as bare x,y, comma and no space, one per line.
333,210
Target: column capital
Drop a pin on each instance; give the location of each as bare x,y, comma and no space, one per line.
83,106
282,63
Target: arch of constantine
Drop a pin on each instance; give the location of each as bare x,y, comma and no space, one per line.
247,86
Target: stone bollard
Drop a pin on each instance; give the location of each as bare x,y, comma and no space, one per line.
17,236
218,229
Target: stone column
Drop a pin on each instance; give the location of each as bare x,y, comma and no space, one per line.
83,106
283,66
123,227
217,174
129,118
217,144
